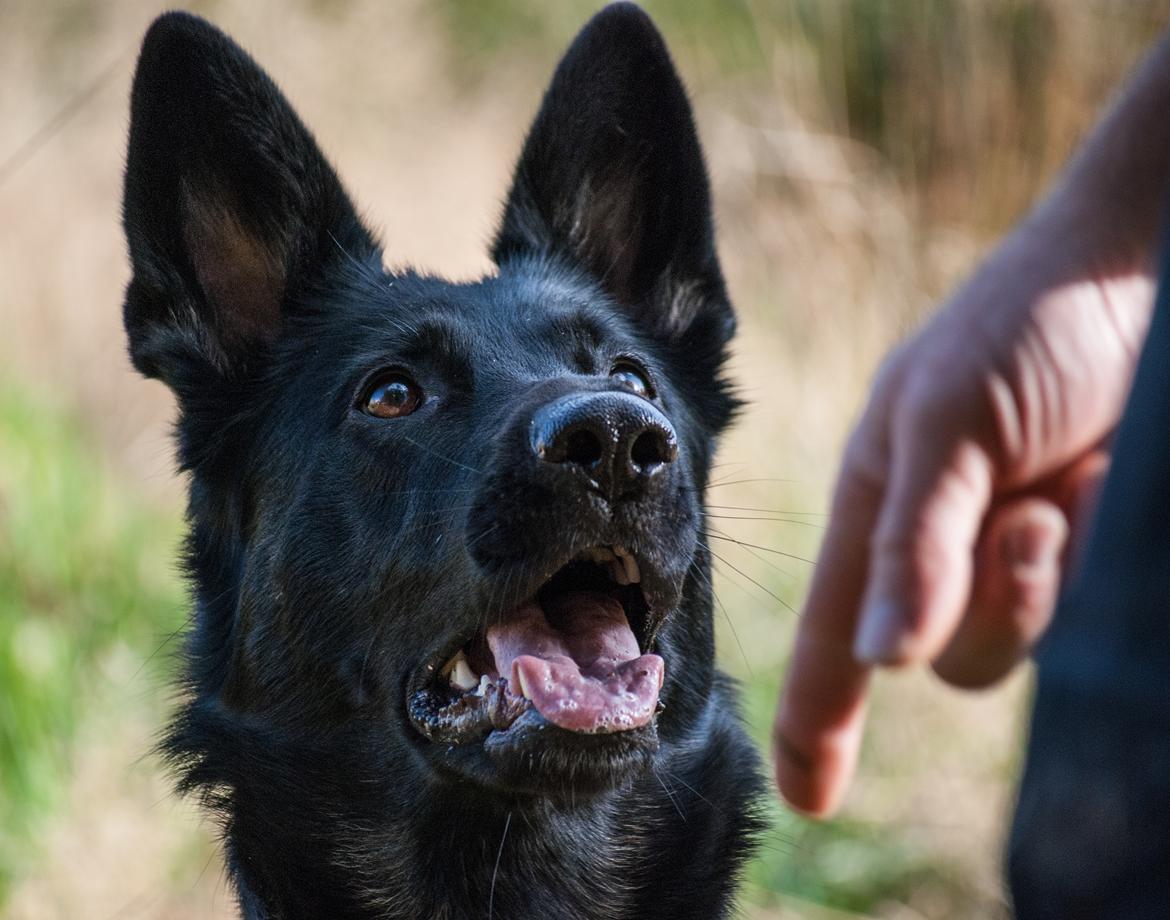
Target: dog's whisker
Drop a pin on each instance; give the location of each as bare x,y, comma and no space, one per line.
446,509
740,482
775,520
747,548
751,552
726,616
377,633
763,514
496,870
744,574
483,535
495,601
427,491
682,782
766,549
430,525
419,528
363,267
669,795
188,621
770,510
439,456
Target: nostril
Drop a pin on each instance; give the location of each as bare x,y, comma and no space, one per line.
583,448
616,445
651,448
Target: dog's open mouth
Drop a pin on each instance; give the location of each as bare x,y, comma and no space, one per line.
574,653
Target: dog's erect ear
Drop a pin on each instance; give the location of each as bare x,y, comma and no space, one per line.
230,209
612,176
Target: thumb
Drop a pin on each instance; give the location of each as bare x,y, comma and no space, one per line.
920,574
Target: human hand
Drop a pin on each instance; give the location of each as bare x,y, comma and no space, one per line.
982,442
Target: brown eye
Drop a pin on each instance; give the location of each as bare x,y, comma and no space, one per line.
392,397
633,378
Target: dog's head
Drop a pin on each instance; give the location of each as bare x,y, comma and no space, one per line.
451,528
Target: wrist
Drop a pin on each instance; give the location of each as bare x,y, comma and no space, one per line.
1112,197
1102,229
1115,223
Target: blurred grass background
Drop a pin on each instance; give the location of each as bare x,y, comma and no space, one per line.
863,154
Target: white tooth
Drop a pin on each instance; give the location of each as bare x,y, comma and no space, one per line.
446,669
462,676
633,573
617,571
484,683
520,684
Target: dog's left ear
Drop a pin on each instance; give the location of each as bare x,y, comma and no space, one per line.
612,177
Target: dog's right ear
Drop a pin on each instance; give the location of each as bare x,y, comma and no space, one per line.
230,209
612,178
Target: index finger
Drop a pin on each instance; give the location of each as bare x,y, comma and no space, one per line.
822,707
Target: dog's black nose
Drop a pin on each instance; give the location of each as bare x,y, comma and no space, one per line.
617,442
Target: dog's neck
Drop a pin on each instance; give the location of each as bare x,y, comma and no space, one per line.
670,844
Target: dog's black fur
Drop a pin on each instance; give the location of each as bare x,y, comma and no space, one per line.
333,553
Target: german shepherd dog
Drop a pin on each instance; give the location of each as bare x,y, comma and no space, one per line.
452,647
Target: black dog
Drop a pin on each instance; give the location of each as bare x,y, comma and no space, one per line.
452,649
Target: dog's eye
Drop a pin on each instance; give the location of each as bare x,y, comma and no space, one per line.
633,378
392,397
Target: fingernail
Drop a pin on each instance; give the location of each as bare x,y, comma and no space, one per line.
881,635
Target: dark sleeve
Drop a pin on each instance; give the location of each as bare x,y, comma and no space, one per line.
1091,837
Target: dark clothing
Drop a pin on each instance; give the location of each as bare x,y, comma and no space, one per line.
1092,826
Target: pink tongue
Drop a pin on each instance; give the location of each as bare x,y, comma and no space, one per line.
585,676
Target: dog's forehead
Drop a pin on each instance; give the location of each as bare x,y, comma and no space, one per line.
547,307
513,313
